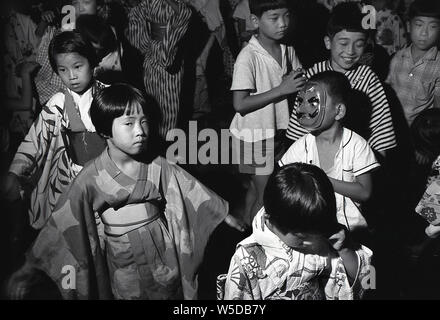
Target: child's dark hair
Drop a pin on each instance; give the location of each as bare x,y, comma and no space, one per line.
97,31
299,197
258,7
425,131
112,102
337,85
346,16
424,8
71,42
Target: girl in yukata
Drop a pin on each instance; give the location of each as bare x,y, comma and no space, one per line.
131,225
297,250
62,139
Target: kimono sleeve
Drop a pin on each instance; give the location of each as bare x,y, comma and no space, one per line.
429,205
192,212
68,247
240,285
337,287
32,152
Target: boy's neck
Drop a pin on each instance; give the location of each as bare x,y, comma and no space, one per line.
331,135
417,53
269,44
337,68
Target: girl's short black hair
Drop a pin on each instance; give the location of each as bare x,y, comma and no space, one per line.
97,31
299,197
425,131
71,42
258,7
424,8
112,102
346,16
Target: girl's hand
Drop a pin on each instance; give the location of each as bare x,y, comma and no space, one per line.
20,283
11,188
48,16
235,223
338,240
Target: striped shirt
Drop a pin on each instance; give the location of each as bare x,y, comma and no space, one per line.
381,134
417,84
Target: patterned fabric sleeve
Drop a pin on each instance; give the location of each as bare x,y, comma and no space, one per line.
32,152
429,205
337,287
192,212
240,284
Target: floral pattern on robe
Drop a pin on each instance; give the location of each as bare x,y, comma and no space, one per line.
264,268
156,261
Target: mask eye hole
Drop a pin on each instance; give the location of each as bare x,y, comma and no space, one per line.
314,101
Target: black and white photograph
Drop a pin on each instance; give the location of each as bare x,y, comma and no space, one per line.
217,154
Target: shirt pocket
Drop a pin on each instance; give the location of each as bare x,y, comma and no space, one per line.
424,91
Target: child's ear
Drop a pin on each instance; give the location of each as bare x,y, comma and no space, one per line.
341,110
255,21
328,42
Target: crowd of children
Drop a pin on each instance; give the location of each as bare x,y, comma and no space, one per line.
348,126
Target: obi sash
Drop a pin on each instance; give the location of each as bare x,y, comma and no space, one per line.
129,217
158,31
81,145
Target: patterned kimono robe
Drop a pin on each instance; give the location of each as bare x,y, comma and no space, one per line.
156,260
264,268
429,206
42,162
163,70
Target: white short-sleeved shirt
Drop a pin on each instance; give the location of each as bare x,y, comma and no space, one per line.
354,158
256,70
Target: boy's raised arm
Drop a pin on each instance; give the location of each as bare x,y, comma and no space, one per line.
245,103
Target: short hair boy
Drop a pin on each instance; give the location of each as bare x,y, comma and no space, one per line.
415,70
343,154
297,250
346,39
260,93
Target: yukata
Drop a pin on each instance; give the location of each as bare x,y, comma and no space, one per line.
156,30
129,238
44,159
429,205
264,268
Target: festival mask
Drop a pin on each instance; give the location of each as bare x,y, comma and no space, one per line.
311,110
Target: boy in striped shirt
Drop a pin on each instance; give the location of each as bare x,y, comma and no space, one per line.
346,40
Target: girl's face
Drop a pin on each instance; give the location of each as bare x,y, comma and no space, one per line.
75,71
84,7
130,131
